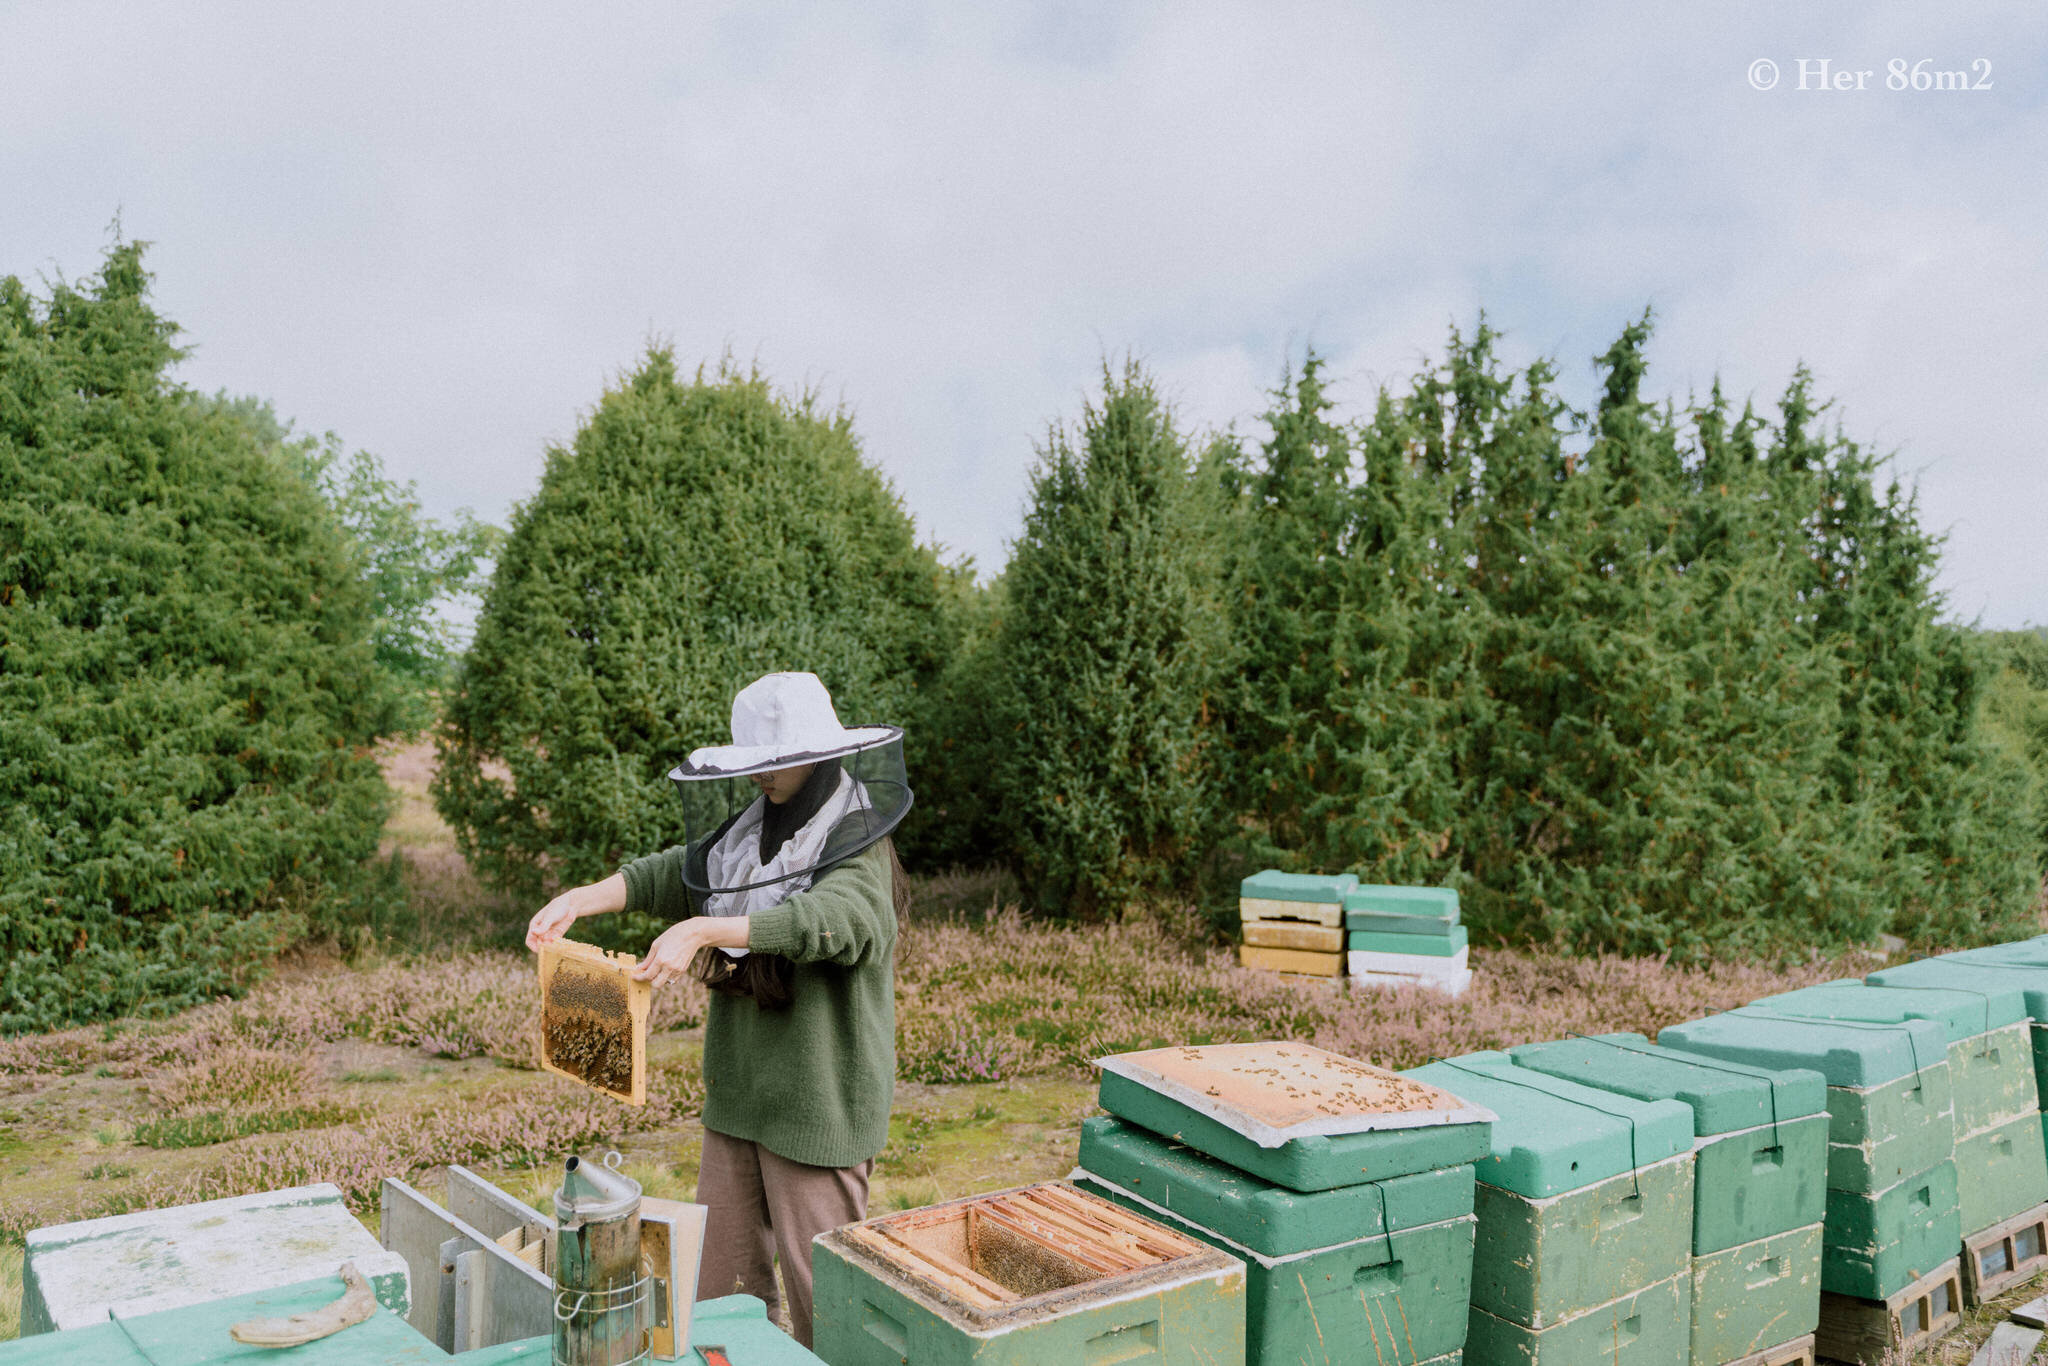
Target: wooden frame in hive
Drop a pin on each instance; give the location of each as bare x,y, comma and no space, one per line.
591,1007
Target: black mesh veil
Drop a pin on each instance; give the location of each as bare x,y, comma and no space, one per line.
869,803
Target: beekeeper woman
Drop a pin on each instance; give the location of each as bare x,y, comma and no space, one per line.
784,898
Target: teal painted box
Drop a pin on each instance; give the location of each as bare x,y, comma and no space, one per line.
1585,1197
1446,945
1401,910
1988,970
2000,1172
1014,1278
1400,1297
1292,1114
1876,1244
1647,1327
1990,1066
1318,888
1748,1299
1268,1219
1761,1147
1890,1111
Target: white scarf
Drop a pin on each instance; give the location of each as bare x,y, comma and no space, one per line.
735,860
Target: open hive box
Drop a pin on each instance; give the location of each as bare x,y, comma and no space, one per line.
593,1019
1036,1273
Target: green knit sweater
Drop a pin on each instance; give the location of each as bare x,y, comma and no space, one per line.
813,1081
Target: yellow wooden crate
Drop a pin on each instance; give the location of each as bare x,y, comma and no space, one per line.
1303,961
1292,934
1252,908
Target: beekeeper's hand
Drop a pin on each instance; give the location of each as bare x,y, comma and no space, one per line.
676,947
553,920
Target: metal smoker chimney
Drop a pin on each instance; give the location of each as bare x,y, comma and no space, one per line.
600,1292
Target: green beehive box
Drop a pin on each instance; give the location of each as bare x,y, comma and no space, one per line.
1760,1155
1271,1220
1444,945
1317,888
1647,1327
1401,910
1890,1112
1043,1273
1293,1114
1594,1196
2000,1172
1751,1297
1876,1244
1990,1067
1403,1296
1988,970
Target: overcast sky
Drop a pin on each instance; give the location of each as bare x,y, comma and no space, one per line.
439,229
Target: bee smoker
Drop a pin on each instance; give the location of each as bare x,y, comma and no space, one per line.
600,1292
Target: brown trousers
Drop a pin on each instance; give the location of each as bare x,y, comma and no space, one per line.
752,1196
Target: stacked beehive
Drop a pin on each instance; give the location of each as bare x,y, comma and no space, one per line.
1584,1204
1345,1190
2016,1248
1889,1270
1294,922
1406,936
1759,1186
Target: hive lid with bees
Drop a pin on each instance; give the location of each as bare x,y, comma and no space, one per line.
593,1019
1294,1114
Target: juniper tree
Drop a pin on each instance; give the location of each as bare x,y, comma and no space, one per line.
1109,645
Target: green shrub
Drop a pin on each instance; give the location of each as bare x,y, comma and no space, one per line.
188,687
695,535
1107,652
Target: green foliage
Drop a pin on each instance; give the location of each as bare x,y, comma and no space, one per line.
2016,710
696,535
1107,651
187,681
412,564
1645,680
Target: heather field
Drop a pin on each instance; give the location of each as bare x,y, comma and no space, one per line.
395,1064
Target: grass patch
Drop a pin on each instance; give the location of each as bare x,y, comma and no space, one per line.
374,1074
108,1171
219,1126
10,1289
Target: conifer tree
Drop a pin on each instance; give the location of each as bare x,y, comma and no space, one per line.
697,534
1110,644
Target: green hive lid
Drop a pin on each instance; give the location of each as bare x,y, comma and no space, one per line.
1724,1096
1975,970
1274,885
1444,945
1964,1014
1855,1053
1554,1136
1275,1092
1437,903
1258,1214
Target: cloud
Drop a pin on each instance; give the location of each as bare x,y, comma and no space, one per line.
439,230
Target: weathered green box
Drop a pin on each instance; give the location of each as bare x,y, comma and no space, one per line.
1990,1065
1760,1158
1257,1108
1397,1298
1877,1244
1595,1191
2008,967
1017,1278
1444,945
1891,1113
1268,1219
1749,1298
1401,910
1317,888
2000,1172
1648,1327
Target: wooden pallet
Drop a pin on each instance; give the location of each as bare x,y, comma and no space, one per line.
1798,1352
1864,1331
2009,1252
